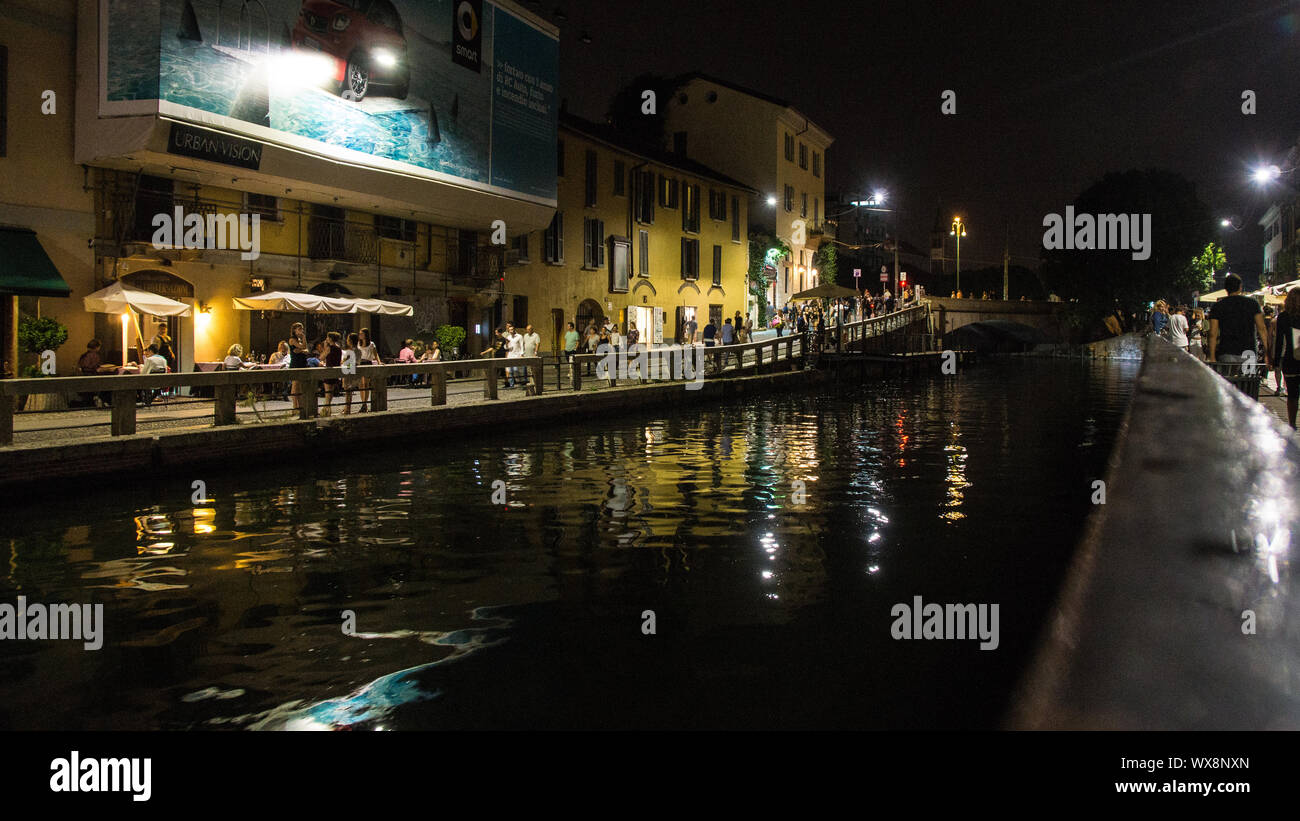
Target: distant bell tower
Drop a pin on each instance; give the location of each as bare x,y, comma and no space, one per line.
937,243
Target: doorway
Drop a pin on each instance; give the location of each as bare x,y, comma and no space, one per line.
557,332
172,287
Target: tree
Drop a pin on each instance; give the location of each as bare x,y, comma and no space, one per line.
1206,264
627,109
764,249
1180,230
827,263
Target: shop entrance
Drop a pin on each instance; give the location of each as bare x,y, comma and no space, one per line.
172,287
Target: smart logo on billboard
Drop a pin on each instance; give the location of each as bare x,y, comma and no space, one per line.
468,31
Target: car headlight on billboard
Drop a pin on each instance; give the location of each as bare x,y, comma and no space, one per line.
384,58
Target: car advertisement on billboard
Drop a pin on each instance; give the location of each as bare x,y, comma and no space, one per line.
458,90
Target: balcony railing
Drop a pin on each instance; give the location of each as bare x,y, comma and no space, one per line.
343,241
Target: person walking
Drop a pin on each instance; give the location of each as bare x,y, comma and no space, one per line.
353,383
514,350
728,337
369,356
570,343
1286,344
688,331
1160,318
1195,334
1178,328
333,359
1234,322
297,356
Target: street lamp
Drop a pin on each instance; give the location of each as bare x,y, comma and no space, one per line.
958,231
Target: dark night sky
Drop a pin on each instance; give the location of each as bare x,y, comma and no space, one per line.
1049,96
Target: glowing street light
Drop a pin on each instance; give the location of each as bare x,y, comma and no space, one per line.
771,199
1266,174
958,231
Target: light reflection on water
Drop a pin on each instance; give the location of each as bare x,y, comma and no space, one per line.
472,613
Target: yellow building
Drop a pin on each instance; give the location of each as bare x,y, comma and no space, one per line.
639,236
393,189
769,145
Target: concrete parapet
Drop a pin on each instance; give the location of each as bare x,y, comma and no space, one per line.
1178,611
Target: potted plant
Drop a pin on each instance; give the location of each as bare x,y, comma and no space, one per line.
35,336
450,338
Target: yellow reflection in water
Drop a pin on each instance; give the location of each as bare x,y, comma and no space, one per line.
203,517
955,477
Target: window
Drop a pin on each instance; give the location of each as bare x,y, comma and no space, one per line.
789,148
735,219
643,184
691,209
803,205
619,262
520,313
620,179
789,198
803,156
690,258
559,158
267,207
717,205
787,279
591,179
643,253
816,211
817,164
667,192
553,240
679,143
593,243
395,228
521,248
717,265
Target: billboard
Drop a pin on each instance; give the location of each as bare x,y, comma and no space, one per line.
461,91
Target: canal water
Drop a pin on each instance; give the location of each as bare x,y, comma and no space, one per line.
506,579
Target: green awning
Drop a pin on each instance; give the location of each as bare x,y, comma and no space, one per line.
25,268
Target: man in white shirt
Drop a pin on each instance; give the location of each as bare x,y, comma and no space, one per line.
532,342
153,362
514,350
1178,328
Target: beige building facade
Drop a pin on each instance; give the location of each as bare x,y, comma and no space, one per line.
769,145
640,236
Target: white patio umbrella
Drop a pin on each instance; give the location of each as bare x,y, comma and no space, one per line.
119,298
124,300
293,302
316,304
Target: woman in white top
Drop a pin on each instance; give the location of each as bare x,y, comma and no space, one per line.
234,360
369,355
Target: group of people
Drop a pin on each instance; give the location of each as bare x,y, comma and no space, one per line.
509,343
1238,329
159,356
